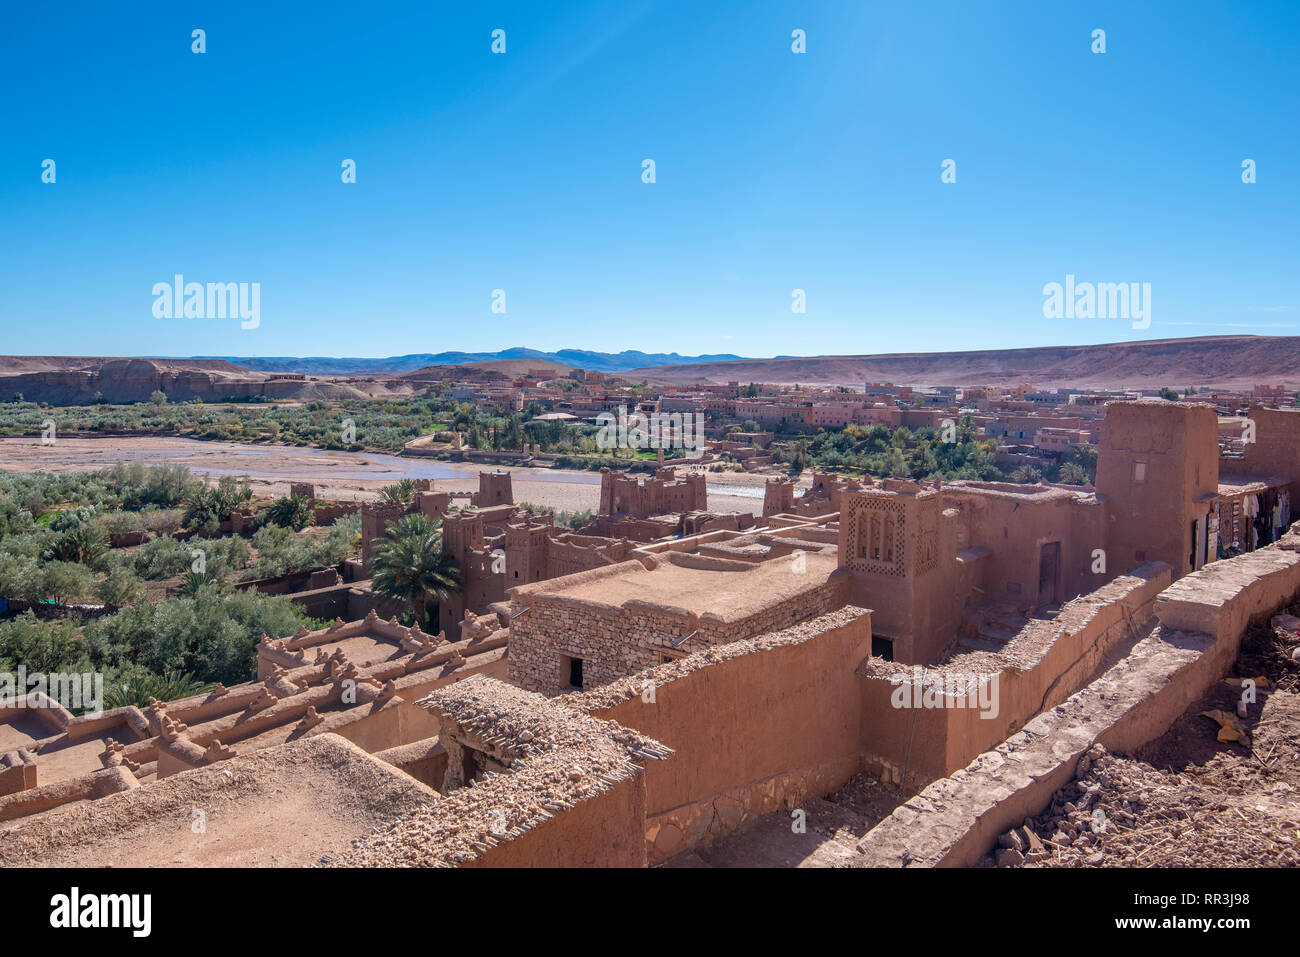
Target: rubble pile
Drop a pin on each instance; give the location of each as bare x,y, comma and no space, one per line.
1121,812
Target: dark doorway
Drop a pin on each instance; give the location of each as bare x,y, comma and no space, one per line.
1049,566
468,765
575,672
882,647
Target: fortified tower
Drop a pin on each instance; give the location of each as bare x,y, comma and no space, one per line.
899,553
778,497
526,551
1158,474
494,489
374,524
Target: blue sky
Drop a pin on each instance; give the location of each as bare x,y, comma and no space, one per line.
522,171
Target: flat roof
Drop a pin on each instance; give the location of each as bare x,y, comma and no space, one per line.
701,586
1243,484
293,806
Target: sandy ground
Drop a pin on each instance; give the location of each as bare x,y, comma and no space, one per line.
288,807
340,476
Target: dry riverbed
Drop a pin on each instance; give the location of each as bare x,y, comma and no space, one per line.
339,476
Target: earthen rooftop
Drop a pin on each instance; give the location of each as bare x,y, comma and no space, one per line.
290,806
730,591
1246,484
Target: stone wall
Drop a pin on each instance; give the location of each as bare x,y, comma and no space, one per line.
615,641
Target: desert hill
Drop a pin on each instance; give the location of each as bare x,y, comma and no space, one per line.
82,380
1230,361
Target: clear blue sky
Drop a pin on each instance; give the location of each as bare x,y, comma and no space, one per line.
522,172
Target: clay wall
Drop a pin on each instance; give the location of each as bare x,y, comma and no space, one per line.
1016,528
494,488
374,524
425,760
735,759
47,796
17,771
1276,449
626,495
605,830
1158,472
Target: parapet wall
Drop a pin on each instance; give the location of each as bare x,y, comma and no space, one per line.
46,797
601,831
909,735
756,725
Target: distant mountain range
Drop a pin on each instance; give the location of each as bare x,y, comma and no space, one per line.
1236,362
579,358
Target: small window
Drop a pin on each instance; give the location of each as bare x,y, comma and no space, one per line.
1139,471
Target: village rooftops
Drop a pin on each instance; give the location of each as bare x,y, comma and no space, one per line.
729,590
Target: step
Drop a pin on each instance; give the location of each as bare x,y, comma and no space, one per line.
995,631
979,644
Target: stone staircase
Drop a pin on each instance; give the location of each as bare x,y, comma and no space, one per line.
989,628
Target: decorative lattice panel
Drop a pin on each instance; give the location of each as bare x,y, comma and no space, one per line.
927,542
877,536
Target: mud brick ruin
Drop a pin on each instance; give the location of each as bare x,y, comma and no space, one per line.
640,688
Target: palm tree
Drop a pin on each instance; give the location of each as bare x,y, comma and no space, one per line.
293,511
411,566
138,689
194,581
402,492
84,543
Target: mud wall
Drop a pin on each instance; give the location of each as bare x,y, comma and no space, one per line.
910,737
605,830
756,725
